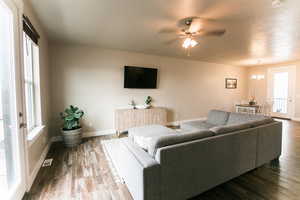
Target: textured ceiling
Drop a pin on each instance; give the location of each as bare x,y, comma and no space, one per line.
256,33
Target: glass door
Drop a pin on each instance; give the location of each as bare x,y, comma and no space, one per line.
281,84
12,173
280,92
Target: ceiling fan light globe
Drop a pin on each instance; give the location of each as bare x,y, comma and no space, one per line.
276,3
186,43
193,43
187,40
185,46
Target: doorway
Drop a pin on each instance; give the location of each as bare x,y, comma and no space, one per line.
12,167
281,86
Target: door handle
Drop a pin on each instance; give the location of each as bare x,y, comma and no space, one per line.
23,125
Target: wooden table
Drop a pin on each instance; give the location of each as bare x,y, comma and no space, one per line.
128,118
247,108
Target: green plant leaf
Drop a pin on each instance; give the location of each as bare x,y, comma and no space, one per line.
68,111
74,108
71,117
78,115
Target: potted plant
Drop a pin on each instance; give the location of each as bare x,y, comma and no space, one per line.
71,129
252,101
148,101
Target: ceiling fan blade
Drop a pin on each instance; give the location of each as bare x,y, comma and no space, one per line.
196,25
171,41
219,32
168,30
181,36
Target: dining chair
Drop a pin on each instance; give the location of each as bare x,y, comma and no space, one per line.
266,108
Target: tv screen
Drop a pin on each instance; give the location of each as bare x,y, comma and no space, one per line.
140,77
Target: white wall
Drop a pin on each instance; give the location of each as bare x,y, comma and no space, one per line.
92,78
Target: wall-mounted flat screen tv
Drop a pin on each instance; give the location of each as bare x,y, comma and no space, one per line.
140,77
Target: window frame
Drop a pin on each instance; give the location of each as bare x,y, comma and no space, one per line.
34,83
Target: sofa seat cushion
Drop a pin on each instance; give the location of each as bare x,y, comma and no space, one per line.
238,118
162,141
142,135
217,117
196,125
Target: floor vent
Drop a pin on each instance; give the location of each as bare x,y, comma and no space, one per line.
47,162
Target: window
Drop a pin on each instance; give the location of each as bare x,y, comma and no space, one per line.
32,80
31,83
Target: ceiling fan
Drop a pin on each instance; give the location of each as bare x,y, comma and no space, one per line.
193,28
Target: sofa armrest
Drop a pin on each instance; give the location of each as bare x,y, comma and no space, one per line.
269,142
139,170
141,156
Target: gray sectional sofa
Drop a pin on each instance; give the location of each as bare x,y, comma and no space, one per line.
180,165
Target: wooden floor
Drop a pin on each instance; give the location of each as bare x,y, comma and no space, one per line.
83,173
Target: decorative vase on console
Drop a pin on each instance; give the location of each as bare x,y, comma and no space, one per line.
133,104
148,102
252,101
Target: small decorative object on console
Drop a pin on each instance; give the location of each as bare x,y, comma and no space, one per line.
252,101
133,104
148,102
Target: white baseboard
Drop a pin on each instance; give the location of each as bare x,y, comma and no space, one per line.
88,134
37,167
113,131
187,120
99,133
296,119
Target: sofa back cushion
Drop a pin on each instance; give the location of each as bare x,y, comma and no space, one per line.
218,130
217,117
259,122
240,126
162,141
238,118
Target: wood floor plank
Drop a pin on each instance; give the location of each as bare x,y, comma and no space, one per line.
83,173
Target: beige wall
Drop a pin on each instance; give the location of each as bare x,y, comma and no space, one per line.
92,78
259,87
36,149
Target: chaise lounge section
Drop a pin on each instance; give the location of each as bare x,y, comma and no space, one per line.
181,165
